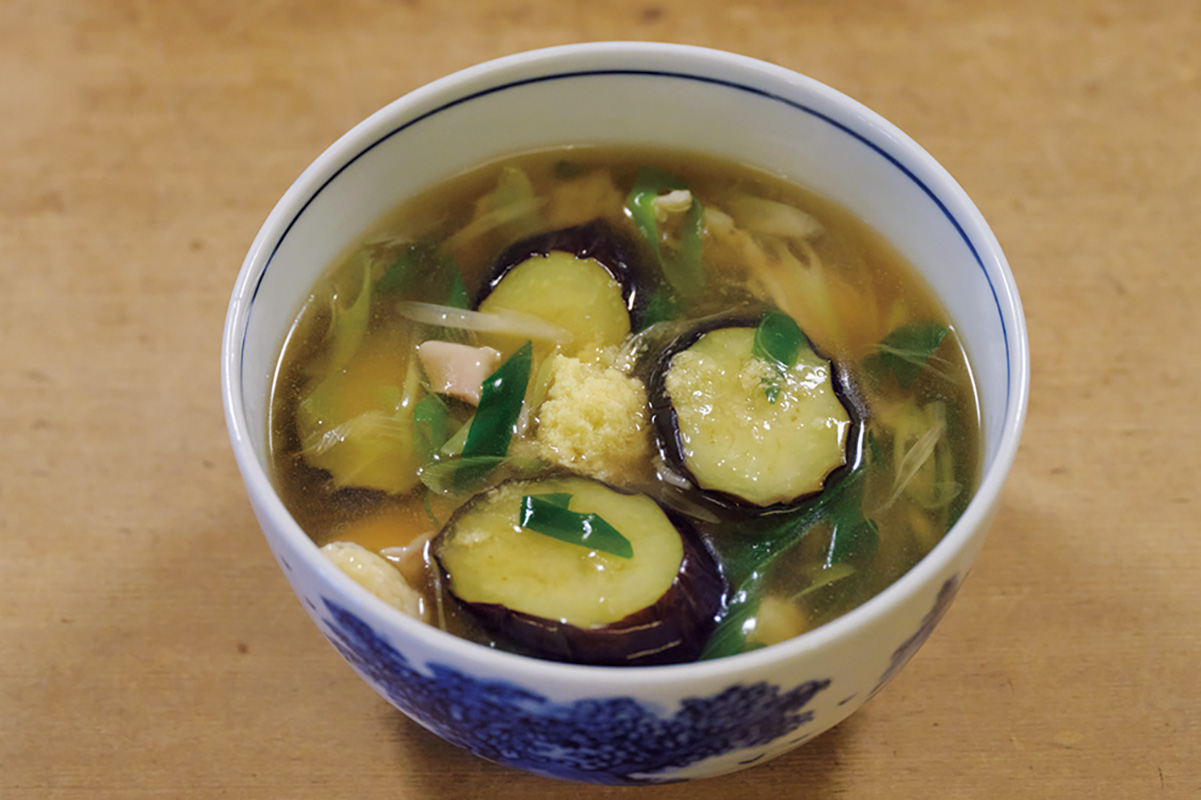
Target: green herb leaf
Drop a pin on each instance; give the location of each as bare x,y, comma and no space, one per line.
752,554
431,423
548,515
420,273
501,397
749,561
748,558
856,540
907,350
778,341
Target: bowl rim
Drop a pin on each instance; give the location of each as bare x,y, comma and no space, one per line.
710,65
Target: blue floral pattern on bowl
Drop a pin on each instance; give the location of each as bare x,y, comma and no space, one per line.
910,646
609,740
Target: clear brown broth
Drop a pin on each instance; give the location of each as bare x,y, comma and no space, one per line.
871,277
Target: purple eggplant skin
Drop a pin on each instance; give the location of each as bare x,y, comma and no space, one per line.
670,444
599,240
672,630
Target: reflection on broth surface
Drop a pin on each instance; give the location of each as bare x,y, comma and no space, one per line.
623,407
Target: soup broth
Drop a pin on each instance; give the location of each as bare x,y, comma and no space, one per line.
563,335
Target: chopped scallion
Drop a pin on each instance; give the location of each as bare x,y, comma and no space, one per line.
501,397
457,475
748,560
548,515
683,269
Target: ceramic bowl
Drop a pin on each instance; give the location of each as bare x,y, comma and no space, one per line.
645,724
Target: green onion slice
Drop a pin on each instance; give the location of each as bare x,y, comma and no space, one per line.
501,397
748,561
729,637
684,269
548,514
458,475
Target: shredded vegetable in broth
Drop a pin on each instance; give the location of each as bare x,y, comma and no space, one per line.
623,407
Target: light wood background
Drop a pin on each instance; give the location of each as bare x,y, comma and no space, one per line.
150,648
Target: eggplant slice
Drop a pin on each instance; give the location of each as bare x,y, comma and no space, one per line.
719,426
577,295
597,240
587,279
567,602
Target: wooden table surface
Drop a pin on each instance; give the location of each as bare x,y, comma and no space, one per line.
149,646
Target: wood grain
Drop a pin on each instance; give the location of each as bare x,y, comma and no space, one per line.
148,645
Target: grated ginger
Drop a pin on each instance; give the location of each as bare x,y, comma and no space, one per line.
594,421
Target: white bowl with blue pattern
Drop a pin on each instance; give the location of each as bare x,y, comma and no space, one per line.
644,724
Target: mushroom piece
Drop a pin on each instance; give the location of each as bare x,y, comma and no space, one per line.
457,370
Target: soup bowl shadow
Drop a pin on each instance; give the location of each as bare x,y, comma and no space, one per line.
645,724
